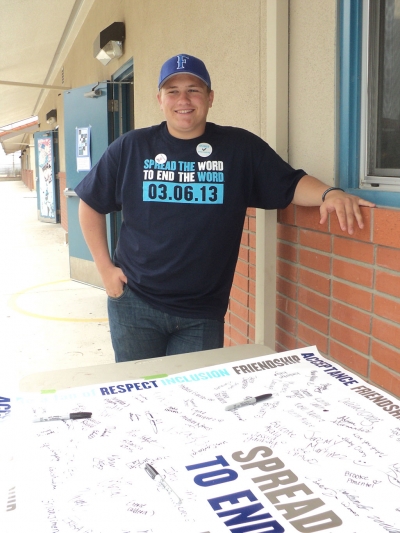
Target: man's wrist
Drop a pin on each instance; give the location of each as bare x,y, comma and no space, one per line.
329,190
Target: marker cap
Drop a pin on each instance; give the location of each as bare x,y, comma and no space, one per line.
76,416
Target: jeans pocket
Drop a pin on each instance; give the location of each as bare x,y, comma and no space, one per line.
117,298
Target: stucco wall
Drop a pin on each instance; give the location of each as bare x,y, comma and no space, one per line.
312,87
229,36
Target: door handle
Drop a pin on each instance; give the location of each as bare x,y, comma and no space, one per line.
69,192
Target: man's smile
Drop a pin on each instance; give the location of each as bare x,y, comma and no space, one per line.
185,101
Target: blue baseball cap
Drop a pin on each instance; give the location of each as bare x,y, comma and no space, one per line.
184,64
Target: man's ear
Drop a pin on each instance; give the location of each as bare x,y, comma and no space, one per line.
159,99
211,98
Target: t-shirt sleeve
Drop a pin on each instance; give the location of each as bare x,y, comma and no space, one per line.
100,188
274,180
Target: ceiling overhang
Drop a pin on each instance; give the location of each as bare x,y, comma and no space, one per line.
15,139
29,128
31,68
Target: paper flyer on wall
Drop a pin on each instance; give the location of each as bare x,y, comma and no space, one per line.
314,456
83,140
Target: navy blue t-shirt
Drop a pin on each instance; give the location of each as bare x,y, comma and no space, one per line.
183,204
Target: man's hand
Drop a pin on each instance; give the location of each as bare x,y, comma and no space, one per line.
114,280
347,208
309,193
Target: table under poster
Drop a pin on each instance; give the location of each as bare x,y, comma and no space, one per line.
310,447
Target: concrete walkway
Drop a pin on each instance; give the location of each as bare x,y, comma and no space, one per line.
47,322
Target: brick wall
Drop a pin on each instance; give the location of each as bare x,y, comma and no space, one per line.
341,292
336,291
27,178
240,317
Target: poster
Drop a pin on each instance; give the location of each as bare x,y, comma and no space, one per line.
317,455
83,160
46,177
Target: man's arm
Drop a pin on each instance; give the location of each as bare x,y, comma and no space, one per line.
93,226
309,193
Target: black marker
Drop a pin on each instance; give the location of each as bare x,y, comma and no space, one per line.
162,483
71,416
248,401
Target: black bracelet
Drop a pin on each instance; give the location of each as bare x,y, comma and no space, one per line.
330,189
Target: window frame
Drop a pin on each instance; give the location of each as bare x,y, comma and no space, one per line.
352,84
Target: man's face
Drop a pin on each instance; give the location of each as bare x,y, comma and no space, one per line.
185,102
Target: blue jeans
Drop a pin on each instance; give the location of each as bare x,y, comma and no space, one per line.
139,331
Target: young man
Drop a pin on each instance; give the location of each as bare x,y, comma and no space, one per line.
183,187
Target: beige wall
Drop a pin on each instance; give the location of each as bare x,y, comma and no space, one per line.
312,87
229,36
226,35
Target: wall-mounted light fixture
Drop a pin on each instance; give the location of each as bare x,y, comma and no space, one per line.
51,117
108,43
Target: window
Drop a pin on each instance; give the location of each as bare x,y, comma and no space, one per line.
369,99
383,131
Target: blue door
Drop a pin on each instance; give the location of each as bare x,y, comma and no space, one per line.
87,135
46,154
